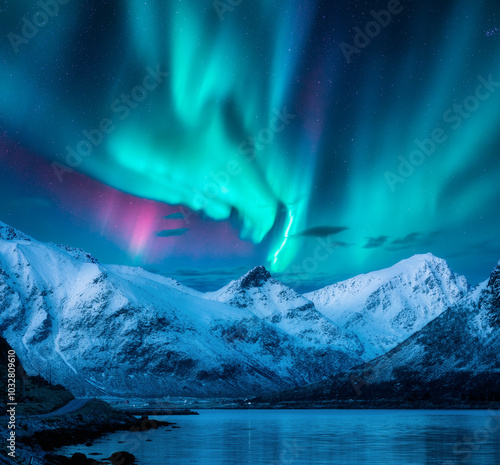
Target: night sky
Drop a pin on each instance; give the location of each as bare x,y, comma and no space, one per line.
196,139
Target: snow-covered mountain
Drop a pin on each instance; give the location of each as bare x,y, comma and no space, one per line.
124,331
464,339
385,307
273,302
454,357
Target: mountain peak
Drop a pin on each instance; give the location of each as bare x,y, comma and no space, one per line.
255,278
9,233
423,258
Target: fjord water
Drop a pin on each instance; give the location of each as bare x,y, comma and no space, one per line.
367,437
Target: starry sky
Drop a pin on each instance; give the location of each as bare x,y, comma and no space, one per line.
200,138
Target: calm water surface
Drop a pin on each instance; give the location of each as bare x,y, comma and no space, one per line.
374,437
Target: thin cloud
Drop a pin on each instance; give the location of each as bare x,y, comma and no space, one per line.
414,239
341,244
174,216
207,280
407,240
375,242
239,271
172,232
321,231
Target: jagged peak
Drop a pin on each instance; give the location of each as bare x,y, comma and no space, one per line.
419,262
415,262
255,277
8,233
78,253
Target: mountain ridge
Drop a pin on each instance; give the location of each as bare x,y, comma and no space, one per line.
116,329
452,358
397,300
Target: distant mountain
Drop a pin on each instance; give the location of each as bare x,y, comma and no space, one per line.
119,330
385,307
455,356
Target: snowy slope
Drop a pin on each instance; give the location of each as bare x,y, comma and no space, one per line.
465,338
383,308
270,300
455,356
122,330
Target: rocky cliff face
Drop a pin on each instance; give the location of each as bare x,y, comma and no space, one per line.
494,289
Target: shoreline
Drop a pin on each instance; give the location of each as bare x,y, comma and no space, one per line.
99,420
352,404
84,436
364,405
40,438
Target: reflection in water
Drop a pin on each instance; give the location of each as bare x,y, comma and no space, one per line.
286,437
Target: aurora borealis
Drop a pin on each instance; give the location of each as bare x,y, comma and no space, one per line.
198,137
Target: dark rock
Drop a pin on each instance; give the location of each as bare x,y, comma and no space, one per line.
495,278
80,459
255,278
122,458
56,459
11,234
494,285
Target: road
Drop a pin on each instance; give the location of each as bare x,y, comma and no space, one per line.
70,407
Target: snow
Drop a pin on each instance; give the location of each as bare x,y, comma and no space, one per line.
385,307
63,358
145,334
9,233
464,339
